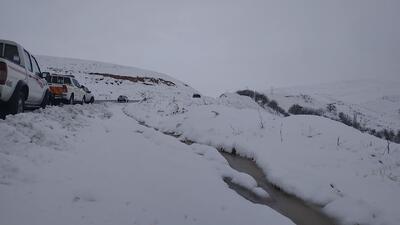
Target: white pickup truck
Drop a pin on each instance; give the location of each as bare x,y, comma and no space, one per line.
66,89
21,81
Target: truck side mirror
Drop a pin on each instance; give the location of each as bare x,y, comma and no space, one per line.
43,75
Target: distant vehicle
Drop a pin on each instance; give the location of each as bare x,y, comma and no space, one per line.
66,89
122,98
196,95
21,80
88,95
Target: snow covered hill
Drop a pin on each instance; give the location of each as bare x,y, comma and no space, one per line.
114,163
375,103
108,81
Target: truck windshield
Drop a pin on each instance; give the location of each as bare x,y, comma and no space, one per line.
67,80
57,80
76,83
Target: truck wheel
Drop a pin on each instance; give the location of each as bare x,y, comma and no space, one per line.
52,100
2,111
91,100
71,100
83,100
45,100
17,103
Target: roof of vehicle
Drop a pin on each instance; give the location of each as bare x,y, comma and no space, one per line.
9,42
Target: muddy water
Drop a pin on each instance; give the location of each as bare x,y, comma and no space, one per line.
295,209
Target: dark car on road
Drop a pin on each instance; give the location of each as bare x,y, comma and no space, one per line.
122,98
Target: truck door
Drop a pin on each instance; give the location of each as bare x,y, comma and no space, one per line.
79,92
41,81
34,85
17,70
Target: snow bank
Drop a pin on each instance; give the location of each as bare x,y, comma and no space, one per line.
33,137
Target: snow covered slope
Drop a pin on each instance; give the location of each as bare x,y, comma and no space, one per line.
375,102
106,86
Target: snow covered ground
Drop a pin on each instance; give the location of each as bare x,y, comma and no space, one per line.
375,102
93,164
98,164
349,173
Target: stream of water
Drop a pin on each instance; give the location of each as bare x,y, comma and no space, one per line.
294,208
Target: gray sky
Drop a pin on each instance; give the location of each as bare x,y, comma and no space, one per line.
217,46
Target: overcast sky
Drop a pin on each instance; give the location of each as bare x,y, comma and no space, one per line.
217,46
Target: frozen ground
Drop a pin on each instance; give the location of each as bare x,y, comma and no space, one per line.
95,165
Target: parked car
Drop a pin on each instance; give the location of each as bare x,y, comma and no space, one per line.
66,89
88,95
122,98
21,80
